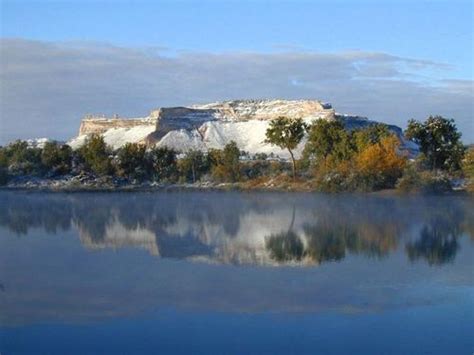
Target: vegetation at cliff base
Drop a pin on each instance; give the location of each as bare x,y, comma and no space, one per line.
286,134
333,159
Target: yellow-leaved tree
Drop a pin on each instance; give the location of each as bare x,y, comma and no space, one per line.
379,165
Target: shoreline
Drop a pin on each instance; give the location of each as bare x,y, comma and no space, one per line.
223,187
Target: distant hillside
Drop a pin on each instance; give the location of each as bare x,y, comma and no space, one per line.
214,125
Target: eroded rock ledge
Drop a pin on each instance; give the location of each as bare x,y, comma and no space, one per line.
214,125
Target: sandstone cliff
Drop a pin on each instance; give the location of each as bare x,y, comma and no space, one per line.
213,125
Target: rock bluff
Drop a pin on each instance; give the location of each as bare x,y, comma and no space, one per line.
212,125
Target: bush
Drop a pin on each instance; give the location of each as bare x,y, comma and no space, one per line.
260,156
225,165
415,181
193,165
132,161
468,168
57,158
163,164
96,156
334,176
379,165
23,160
3,176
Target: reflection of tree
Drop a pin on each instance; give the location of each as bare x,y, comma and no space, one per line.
19,216
284,247
438,240
92,216
436,248
208,224
326,243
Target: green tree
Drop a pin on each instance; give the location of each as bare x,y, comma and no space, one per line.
163,163
468,168
328,138
4,157
22,159
132,161
370,135
439,141
225,163
193,165
3,176
96,155
286,133
57,157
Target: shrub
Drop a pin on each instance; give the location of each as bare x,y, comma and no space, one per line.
427,182
334,176
225,163
163,164
379,165
3,176
132,161
23,160
255,169
57,158
260,156
96,156
4,157
193,165
468,168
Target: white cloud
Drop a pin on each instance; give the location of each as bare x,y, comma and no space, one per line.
47,87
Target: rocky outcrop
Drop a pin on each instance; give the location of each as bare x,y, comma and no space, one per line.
213,125
99,125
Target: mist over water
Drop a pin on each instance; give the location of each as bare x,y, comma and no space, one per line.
273,262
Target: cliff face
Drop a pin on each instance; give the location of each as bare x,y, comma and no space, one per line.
99,125
212,125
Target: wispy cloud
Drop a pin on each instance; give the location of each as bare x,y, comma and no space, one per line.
47,87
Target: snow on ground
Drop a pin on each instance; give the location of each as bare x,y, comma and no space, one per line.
118,137
182,140
37,142
249,136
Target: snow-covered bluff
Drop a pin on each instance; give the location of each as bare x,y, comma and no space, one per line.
214,125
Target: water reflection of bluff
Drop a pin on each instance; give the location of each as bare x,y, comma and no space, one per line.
250,228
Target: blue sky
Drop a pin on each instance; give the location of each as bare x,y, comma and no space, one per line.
436,32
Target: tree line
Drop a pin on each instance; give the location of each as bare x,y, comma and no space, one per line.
334,159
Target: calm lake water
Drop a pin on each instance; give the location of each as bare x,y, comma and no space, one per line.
235,273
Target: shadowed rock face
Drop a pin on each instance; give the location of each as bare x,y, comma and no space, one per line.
213,125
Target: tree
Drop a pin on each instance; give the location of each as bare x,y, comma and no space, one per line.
193,165
468,168
369,135
163,163
439,141
22,159
57,157
380,164
132,161
325,138
96,155
225,163
286,133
